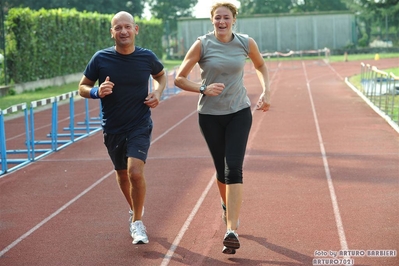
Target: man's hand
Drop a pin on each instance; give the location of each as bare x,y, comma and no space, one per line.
105,88
152,100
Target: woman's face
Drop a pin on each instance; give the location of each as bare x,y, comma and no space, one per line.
223,20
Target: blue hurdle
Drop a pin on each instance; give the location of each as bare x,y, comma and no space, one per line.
55,140
33,140
25,153
87,124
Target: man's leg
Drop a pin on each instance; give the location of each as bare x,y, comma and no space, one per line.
137,186
124,186
135,170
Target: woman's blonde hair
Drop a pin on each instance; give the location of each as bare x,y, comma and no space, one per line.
228,5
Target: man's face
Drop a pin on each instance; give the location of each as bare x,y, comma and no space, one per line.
124,30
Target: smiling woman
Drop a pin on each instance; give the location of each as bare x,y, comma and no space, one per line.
224,112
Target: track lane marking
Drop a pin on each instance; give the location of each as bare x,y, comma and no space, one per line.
334,201
48,218
168,256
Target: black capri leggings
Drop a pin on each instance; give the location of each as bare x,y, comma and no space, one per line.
227,136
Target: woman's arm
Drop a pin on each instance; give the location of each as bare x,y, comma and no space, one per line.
263,75
190,60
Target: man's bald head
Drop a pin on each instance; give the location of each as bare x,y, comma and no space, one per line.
122,15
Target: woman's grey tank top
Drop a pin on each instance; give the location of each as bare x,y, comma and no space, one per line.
224,63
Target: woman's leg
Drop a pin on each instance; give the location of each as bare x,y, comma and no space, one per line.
237,133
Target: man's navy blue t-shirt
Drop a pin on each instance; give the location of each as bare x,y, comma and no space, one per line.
124,108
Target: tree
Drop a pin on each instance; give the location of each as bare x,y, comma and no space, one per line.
317,5
251,7
136,7
171,10
374,13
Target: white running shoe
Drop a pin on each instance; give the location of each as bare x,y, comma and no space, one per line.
230,240
139,233
131,213
229,251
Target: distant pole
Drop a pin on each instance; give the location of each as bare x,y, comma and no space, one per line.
386,27
3,42
167,33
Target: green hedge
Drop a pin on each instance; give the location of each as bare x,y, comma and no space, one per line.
49,43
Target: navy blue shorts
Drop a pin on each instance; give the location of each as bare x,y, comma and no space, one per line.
134,143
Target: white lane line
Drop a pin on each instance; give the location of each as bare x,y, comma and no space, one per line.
168,256
173,127
43,222
338,220
16,242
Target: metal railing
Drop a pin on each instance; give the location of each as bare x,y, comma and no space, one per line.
382,89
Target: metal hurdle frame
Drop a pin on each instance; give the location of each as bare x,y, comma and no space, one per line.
71,127
86,128
19,162
33,142
89,122
393,83
74,133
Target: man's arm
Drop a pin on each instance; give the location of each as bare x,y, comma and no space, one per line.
85,86
87,89
160,83
154,97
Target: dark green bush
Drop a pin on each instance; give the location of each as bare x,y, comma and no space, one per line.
49,43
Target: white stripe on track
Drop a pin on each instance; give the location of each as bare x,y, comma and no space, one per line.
18,240
54,214
171,128
338,220
175,244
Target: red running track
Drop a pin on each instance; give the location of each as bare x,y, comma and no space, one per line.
321,175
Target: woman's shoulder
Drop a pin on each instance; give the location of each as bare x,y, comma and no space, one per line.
241,36
207,36
243,40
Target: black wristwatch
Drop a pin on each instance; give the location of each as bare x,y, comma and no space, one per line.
202,89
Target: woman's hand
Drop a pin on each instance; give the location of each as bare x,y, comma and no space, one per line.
264,102
214,89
